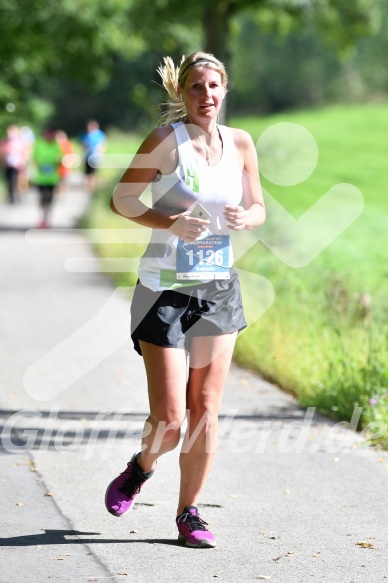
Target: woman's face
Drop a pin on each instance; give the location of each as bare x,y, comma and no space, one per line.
203,93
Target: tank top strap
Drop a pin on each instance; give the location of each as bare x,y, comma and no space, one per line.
180,133
229,148
187,160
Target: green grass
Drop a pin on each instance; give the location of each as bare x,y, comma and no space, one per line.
325,336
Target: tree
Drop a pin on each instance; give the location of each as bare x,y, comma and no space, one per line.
43,41
76,52
340,21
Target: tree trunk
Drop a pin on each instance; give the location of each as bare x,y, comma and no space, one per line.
216,25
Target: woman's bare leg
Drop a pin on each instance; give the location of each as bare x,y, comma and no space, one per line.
210,359
166,370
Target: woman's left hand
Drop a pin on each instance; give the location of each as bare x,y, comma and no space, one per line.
236,216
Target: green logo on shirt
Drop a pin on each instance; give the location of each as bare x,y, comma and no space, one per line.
192,180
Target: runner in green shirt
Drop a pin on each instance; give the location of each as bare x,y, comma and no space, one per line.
47,157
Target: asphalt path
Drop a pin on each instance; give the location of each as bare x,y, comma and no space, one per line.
291,497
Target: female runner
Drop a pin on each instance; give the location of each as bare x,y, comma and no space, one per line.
187,309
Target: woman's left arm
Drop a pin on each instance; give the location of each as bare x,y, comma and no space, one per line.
252,213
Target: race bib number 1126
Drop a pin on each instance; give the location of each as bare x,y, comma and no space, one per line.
206,258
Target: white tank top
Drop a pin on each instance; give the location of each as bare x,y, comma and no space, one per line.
191,182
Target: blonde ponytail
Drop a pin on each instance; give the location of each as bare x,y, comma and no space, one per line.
175,108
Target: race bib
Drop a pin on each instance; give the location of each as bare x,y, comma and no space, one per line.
206,258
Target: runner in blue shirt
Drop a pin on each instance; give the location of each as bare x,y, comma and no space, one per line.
94,142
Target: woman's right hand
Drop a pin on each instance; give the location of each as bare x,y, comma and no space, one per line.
187,227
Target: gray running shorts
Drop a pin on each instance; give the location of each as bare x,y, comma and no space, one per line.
170,318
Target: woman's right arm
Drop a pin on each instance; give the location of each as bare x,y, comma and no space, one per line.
157,152
146,164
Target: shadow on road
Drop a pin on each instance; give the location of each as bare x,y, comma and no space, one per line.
58,537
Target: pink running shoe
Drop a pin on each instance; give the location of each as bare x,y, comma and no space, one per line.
122,491
192,529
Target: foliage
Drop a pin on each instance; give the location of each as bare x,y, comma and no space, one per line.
295,70
97,58
43,41
309,64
